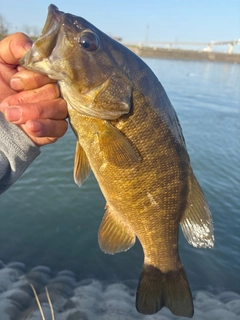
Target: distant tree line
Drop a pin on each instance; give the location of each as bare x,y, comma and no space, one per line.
3,27
31,31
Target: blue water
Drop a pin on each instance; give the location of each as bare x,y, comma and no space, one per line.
46,219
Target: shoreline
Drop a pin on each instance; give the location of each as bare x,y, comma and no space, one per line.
90,298
190,55
178,54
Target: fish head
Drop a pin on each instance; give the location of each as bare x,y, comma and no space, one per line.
85,62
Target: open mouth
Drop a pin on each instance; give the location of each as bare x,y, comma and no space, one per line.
50,31
43,46
54,18
48,38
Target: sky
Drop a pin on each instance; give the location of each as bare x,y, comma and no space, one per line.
138,20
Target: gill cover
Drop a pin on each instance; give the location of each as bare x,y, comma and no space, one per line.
109,100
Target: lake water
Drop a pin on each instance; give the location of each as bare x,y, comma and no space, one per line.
47,220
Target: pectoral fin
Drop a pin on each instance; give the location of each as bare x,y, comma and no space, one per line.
116,147
114,236
197,223
82,167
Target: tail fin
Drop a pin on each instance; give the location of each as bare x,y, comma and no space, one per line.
157,289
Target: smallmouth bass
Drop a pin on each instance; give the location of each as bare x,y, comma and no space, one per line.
129,135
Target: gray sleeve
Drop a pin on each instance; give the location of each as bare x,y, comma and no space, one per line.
17,152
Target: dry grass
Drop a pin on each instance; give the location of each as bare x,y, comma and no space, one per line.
39,304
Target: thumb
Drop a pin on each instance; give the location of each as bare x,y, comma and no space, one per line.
14,47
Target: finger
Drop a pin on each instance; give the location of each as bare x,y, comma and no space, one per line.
26,79
14,47
39,141
53,109
46,128
43,141
47,92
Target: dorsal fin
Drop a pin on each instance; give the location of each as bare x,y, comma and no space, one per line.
196,222
113,235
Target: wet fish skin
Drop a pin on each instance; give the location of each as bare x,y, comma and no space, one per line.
129,135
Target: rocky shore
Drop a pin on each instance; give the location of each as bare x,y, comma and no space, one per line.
91,299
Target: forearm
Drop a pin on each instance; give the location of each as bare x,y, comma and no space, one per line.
17,152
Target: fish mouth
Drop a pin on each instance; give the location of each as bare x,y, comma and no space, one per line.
48,38
53,21
44,45
53,14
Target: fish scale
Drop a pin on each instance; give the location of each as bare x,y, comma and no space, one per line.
129,135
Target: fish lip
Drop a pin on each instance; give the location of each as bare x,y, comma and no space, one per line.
54,12
40,50
54,15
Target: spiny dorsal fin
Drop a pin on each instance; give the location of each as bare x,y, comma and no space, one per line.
116,147
113,235
196,222
82,167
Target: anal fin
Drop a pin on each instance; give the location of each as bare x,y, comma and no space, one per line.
114,236
196,223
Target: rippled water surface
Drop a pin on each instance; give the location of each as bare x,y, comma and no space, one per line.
46,219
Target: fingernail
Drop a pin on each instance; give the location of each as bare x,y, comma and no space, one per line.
13,114
16,84
28,46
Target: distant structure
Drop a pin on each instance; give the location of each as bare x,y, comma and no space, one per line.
199,46
117,38
230,44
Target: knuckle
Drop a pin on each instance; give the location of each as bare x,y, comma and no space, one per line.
38,111
52,91
65,126
36,80
62,107
59,128
17,99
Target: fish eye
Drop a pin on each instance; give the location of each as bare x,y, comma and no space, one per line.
89,41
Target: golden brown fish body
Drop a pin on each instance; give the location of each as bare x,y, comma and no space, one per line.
148,197
129,135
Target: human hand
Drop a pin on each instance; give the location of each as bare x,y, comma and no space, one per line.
31,101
